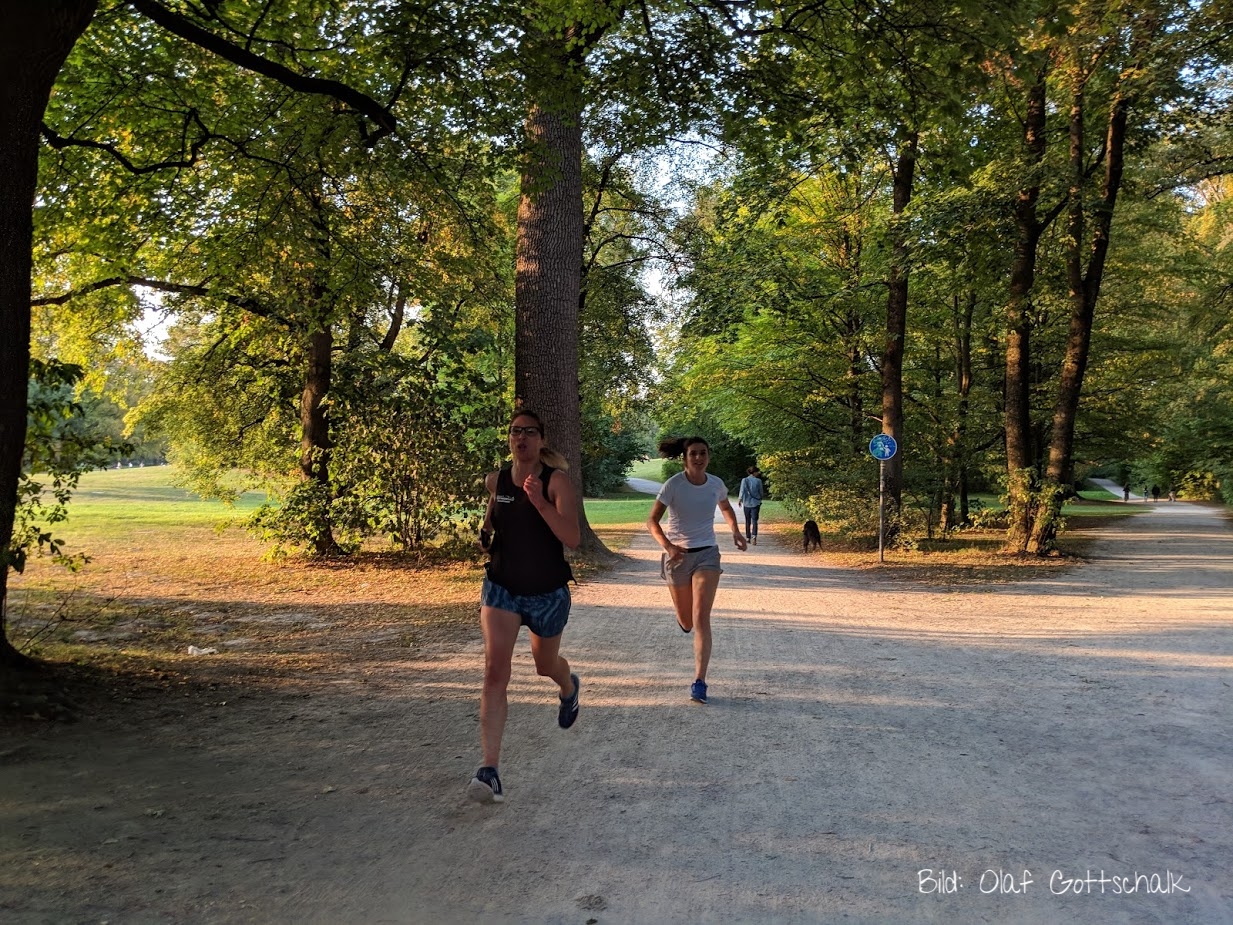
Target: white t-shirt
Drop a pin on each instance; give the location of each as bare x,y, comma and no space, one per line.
691,509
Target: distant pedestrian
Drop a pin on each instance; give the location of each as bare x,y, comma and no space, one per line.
1155,492
532,515
1126,492
750,500
1172,494
1145,491
690,563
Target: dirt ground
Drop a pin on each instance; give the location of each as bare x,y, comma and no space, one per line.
875,750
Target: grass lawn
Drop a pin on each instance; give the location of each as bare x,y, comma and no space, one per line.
157,554
652,469
114,503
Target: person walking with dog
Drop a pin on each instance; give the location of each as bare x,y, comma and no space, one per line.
690,562
750,499
532,515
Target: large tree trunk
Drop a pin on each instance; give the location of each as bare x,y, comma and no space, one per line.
548,272
34,43
896,330
1020,453
1084,291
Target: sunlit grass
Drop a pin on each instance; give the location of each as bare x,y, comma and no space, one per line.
652,469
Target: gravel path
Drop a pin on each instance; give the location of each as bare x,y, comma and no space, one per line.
860,733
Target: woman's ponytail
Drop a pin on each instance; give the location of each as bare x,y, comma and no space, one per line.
675,447
550,457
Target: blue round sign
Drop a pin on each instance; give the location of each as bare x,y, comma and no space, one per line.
882,447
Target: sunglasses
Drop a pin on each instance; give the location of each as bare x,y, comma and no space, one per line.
524,431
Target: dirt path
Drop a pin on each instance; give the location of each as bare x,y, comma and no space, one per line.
860,731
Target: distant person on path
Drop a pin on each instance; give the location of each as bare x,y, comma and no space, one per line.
750,500
690,562
1145,491
1172,494
1155,492
532,515
1126,492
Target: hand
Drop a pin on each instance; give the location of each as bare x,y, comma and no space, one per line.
675,552
739,539
535,491
485,539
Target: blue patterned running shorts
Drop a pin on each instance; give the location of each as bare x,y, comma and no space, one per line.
545,615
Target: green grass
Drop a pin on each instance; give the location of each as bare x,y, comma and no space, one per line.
652,469
120,502
114,502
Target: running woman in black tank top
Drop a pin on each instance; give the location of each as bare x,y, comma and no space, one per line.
532,514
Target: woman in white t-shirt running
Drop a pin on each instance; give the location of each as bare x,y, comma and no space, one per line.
690,562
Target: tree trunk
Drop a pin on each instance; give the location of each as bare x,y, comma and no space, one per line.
1020,459
34,43
548,273
1084,291
957,449
896,330
315,431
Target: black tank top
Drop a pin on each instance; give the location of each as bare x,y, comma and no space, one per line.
527,557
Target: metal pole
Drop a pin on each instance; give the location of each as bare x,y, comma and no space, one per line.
881,506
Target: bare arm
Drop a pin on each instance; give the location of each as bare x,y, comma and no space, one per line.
657,531
559,510
725,508
485,537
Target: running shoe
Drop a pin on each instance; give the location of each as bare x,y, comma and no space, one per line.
569,706
485,787
697,691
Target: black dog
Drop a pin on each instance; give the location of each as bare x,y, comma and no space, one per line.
811,535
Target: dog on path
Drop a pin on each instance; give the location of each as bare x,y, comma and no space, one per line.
810,534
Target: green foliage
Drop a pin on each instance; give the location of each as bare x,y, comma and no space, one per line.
607,452
62,442
295,521
411,453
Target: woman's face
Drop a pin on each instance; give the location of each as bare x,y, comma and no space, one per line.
697,455
525,438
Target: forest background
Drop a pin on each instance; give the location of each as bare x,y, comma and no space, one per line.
997,232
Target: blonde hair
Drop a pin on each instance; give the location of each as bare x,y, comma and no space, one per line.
547,455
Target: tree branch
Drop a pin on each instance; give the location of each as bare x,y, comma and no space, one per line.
246,303
361,103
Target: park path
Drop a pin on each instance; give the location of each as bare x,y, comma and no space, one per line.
862,729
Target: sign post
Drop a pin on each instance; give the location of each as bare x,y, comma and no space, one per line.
882,447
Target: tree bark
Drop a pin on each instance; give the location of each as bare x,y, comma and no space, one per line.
896,328
315,443
1084,291
1020,458
956,456
34,43
548,271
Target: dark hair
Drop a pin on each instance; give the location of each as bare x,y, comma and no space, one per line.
529,414
676,446
752,469
547,455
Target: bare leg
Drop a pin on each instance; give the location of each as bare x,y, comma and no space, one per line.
683,601
549,662
704,588
500,633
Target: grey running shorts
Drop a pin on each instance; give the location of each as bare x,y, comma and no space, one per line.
681,572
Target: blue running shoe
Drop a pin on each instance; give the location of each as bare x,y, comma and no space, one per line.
697,691
485,787
569,706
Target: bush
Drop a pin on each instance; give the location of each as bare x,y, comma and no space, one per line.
607,452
